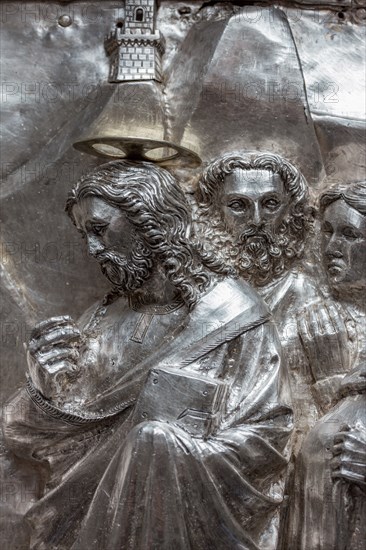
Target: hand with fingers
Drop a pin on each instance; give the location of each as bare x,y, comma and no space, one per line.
349,455
52,355
327,335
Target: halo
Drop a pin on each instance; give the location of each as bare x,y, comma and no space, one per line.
132,148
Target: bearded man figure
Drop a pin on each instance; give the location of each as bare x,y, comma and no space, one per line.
160,420
258,204
253,215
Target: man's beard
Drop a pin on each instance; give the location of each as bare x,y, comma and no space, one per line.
257,254
261,255
127,273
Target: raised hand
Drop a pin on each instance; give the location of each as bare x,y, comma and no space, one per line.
349,455
327,339
52,355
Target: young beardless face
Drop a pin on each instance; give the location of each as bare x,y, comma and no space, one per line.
344,246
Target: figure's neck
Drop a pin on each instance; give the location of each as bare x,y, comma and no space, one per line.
274,282
156,291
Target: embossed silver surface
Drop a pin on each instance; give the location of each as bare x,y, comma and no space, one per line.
214,397
155,380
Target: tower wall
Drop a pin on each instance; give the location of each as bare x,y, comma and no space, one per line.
137,50
136,27
137,62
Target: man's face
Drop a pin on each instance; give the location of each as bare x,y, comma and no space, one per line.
253,198
111,240
344,245
255,211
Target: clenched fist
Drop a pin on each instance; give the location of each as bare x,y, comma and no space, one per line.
52,355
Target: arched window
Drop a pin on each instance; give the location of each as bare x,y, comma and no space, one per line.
139,14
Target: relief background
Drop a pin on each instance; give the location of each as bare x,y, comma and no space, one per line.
55,83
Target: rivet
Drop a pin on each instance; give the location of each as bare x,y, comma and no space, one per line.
64,20
361,14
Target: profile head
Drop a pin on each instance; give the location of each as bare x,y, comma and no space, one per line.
135,217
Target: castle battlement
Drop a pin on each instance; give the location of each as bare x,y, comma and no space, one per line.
137,48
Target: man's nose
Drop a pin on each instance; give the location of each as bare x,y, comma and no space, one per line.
333,247
257,217
95,245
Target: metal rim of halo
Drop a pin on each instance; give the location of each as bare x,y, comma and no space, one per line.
143,149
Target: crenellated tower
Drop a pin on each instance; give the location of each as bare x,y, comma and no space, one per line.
136,47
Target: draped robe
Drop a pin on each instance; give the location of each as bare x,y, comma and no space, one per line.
328,513
111,483
287,297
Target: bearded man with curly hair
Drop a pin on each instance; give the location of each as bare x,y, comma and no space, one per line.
253,216
160,419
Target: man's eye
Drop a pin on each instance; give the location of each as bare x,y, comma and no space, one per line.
99,229
350,233
236,205
327,229
272,204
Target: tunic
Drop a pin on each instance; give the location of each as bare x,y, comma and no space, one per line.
111,482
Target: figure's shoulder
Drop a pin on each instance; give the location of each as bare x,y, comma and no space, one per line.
234,295
305,287
293,291
244,292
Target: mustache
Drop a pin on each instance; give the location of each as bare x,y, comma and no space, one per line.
111,256
257,252
256,239
261,253
126,273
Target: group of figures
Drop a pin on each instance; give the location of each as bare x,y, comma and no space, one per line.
215,397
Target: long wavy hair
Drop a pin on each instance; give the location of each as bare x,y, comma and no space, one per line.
216,236
354,194
156,207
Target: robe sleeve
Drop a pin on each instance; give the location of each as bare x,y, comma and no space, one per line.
257,423
47,442
229,485
259,387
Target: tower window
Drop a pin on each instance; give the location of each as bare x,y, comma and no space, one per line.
139,14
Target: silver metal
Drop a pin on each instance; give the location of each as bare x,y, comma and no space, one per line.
178,416
329,489
253,215
159,417
134,46
258,207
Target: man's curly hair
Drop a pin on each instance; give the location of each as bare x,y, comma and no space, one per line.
157,209
216,236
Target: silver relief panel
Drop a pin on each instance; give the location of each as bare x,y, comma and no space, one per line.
183,264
